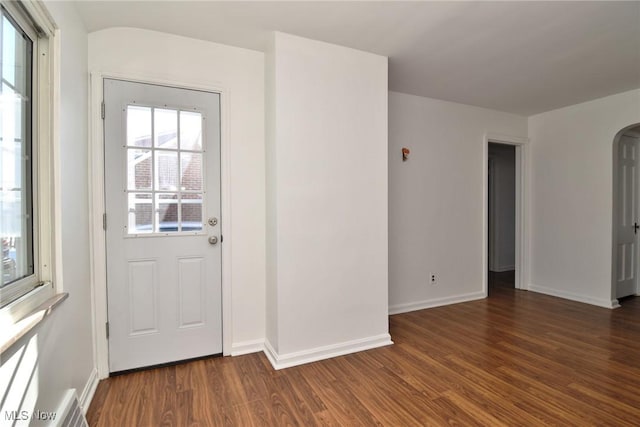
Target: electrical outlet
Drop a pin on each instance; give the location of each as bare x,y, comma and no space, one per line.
432,279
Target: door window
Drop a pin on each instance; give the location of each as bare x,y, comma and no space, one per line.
164,170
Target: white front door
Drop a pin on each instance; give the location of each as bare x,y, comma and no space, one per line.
162,191
627,258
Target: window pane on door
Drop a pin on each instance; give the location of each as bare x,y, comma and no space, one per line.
191,212
140,213
138,126
165,127
166,170
167,211
190,171
190,131
139,169
164,179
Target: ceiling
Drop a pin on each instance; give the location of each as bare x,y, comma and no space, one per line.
519,57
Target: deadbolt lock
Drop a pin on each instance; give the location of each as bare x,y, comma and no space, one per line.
213,221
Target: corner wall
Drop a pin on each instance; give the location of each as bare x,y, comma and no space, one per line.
271,185
572,196
69,332
328,145
436,198
142,53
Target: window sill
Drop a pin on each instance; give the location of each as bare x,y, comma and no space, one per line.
10,335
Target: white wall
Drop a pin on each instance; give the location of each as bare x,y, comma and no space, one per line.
147,54
63,343
502,207
435,198
571,196
70,331
328,144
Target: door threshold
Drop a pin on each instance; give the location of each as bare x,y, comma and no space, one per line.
163,365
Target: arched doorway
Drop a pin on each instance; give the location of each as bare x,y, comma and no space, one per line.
626,213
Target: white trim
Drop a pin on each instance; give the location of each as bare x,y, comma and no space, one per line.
271,354
246,347
436,302
97,207
17,328
614,213
96,233
56,164
14,312
522,203
89,391
225,212
40,16
574,297
326,352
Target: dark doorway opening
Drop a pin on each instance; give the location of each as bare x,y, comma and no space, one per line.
502,216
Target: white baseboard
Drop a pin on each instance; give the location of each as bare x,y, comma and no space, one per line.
503,268
88,391
246,347
606,303
281,361
437,302
271,354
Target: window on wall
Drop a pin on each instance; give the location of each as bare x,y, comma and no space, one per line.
17,195
26,155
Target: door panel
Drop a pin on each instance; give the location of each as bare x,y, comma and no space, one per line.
627,258
162,183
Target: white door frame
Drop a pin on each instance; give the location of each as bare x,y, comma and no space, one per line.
522,206
97,208
614,224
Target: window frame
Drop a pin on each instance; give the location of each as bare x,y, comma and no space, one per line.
153,190
22,286
35,21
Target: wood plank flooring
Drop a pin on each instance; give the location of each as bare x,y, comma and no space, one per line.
516,358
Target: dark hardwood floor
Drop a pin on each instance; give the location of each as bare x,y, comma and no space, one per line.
516,358
504,279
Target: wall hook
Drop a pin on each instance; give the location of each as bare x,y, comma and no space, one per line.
405,154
